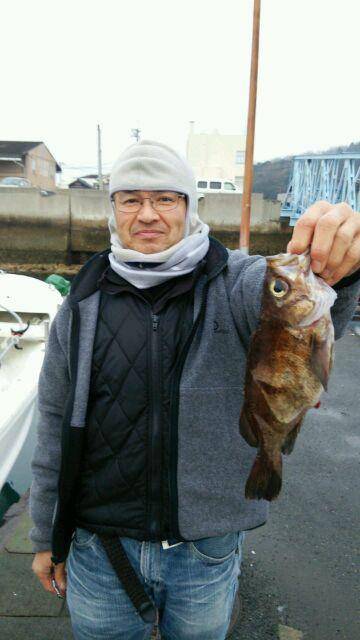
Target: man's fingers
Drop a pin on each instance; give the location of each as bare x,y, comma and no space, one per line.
326,229
333,233
44,569
60,576
345,236
350,263
45,579
304,228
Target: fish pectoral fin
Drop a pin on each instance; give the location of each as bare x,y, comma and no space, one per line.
321,359
247,429
289,442
262,374
282,405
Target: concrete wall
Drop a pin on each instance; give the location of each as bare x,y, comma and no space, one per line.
224,210
89,219
33,226
74,222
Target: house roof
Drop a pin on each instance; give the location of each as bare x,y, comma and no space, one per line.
90,181
15,149
81,182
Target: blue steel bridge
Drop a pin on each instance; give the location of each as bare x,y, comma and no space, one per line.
332,177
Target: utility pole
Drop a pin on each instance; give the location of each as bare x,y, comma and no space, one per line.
135,133
250,135
190,133
100,176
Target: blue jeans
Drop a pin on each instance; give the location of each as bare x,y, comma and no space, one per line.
192,585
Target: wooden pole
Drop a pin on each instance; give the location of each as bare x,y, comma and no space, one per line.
250,135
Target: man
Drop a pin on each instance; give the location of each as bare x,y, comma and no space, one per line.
139,472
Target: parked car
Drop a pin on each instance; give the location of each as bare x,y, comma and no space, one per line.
10,181
216,186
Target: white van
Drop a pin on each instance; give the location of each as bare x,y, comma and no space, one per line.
216,186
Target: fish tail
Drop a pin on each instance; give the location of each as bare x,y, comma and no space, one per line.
265,479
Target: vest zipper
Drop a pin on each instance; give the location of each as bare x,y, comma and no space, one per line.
156,435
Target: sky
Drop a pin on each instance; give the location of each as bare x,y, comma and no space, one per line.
67,66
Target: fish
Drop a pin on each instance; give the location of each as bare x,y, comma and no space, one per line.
288,366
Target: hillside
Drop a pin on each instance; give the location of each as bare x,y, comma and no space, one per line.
272,177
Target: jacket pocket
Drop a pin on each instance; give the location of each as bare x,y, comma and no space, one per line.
217,549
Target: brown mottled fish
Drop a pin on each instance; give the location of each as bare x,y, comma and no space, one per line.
288,365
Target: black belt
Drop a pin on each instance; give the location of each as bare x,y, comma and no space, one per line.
127,576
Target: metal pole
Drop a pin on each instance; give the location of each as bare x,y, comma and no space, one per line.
191,131
136,134
249,153
100,176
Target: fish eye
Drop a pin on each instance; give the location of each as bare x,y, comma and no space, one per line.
279,287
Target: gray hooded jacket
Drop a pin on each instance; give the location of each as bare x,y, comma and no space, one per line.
213,460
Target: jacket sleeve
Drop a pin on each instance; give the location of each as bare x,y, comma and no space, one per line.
348,292
53,388
246,294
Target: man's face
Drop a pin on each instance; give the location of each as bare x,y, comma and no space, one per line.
148,230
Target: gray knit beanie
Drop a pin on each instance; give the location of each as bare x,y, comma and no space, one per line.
153,166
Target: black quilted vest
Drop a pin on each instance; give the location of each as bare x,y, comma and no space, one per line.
123,486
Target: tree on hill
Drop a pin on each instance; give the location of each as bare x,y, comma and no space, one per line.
272,177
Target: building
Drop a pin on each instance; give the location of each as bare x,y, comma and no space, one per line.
216,155
31,160
85,182
90,181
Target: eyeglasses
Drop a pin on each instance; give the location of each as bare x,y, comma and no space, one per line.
160,202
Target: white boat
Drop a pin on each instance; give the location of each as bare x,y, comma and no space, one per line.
27,309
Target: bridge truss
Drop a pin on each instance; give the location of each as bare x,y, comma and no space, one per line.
331,177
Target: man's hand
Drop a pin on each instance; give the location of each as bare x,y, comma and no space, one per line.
45,571
332,231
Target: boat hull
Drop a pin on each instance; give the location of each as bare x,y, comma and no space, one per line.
27,309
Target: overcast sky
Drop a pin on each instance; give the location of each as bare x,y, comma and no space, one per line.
67,65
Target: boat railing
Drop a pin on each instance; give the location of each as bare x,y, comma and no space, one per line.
11,342
27,330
